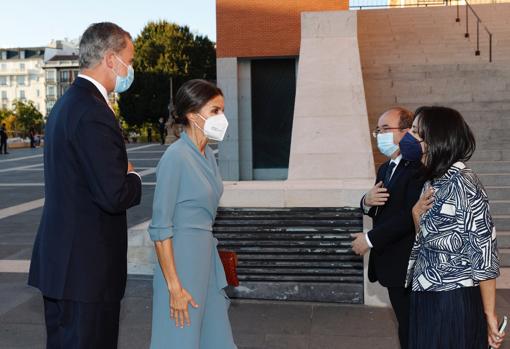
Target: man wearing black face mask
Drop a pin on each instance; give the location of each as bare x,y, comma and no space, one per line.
389,204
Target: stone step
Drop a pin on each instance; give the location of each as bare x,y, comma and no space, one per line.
501,222
489,166
504,257
503,239
471,108
498,193
500,207
489,119
495,179
445,72
491,155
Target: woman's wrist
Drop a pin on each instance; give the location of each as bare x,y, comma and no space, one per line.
491,313
174,286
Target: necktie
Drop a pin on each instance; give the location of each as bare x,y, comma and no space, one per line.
389,171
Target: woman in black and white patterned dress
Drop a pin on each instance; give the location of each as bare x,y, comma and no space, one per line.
454,262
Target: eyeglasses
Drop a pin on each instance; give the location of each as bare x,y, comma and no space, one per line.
384,130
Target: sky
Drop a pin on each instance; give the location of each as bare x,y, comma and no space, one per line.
26,23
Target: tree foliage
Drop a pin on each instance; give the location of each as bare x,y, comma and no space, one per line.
164,50
27,116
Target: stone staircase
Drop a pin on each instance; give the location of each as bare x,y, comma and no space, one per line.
301,254
495,175
419,56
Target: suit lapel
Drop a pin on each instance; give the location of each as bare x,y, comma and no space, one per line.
398,171
84,83
403,164
382,172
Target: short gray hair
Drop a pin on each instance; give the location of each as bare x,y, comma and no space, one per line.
99,38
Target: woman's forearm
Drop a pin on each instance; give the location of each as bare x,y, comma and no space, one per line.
416,220
165,253
488,292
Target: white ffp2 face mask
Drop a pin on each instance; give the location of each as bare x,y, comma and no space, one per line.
215,127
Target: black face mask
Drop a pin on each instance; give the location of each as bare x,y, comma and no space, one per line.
410,148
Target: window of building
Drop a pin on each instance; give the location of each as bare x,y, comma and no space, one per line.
49,105
21,80
3,80
22,95
33,77
64,76
4,94
3,66
50,75
51,91
22,66
38,93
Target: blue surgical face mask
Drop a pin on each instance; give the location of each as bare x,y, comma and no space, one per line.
410,148
124,82
385,143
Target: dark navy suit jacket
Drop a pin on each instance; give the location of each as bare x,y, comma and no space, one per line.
393,230
80,252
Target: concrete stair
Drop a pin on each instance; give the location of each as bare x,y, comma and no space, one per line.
495,175
419,56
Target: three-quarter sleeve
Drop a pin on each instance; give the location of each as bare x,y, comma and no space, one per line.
482,247
168,177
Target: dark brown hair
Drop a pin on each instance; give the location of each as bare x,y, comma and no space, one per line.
447,136
190,98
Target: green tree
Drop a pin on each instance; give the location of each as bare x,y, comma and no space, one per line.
27,116
164,50
4,113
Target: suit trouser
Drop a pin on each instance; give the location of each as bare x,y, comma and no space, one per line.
400,299
3,147
78,325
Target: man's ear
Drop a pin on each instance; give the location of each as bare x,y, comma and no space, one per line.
109,58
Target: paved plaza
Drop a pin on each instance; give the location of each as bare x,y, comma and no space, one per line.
256,324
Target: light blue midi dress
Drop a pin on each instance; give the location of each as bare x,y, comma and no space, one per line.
187,195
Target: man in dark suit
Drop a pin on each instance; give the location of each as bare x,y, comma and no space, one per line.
79,261
162,130
389,203
3,139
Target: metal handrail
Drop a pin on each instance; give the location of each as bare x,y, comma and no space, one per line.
445,3
417,4
478,22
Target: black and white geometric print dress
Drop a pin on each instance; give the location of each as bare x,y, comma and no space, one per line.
456,244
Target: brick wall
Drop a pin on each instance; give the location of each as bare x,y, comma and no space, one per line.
264,28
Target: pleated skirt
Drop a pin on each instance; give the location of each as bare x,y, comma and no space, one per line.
447,320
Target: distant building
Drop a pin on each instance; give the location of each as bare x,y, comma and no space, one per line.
37,74
22,76
60,72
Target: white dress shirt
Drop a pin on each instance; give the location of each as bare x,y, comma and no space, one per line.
98,85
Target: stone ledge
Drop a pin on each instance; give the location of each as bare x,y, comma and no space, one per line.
295,193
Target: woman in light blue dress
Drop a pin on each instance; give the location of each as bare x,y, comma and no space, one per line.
190,307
